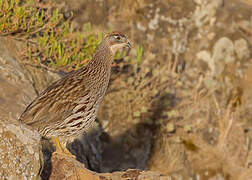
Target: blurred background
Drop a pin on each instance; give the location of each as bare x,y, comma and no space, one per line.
179,102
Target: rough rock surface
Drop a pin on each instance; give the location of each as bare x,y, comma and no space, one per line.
16,88
19,83
69,168
19,151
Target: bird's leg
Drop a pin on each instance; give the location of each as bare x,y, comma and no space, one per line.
61,149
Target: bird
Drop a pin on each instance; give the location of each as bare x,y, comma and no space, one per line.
68,107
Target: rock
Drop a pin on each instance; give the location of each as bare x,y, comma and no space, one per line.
69,168
19,84
241,48
19,152
16,89
41,77
205,56
223,50
205,11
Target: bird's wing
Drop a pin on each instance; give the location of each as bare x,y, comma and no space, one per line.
40,113
55,103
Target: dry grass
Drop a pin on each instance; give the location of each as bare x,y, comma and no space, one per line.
217,143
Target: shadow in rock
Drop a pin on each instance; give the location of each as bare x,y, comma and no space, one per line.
47,150
87,149
102,153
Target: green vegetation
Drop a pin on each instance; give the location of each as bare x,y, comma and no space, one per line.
139,53
50,38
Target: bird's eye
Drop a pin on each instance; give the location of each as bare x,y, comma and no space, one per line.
117,37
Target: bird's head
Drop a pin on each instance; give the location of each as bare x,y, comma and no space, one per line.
116,41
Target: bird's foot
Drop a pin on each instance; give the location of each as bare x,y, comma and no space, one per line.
62,150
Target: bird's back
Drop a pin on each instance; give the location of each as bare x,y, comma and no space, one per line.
68,99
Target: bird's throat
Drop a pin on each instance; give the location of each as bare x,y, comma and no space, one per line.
102,58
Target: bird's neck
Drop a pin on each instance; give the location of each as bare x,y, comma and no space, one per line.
102,58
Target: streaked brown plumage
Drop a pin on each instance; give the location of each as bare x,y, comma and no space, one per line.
69,106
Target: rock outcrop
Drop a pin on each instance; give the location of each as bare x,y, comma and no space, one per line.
19,151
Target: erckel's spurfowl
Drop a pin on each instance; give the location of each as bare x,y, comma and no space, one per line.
69,106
